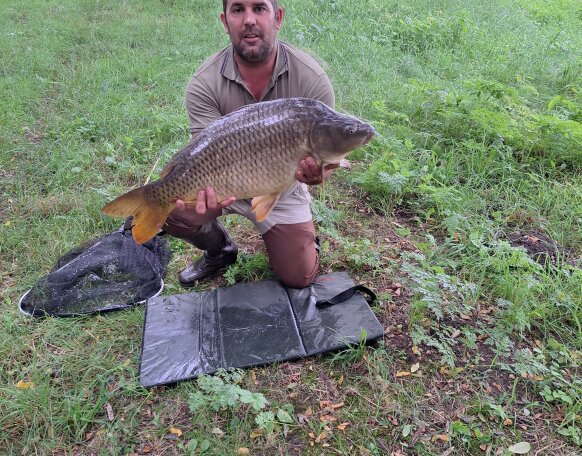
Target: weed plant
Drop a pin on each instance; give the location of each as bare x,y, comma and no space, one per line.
478,106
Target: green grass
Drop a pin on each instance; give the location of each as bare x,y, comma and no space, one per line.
478,106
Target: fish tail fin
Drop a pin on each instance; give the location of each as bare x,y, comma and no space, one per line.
147,217
263,205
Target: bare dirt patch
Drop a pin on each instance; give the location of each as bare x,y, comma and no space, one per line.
539,246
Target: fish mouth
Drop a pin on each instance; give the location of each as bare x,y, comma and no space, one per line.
370,135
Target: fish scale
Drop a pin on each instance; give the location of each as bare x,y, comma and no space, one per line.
252,152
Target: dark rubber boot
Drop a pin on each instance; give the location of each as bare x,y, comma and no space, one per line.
219,252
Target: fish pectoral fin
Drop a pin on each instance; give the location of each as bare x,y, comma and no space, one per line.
263,205
148,218
345,164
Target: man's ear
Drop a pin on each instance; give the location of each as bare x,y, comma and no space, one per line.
223,20
279,14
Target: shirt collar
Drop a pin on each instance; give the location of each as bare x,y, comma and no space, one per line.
230,71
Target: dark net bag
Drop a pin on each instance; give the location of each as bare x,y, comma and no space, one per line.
112,272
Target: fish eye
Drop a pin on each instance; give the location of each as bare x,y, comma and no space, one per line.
352,129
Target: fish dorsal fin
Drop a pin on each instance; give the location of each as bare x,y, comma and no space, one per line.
178,156
263,205
168,168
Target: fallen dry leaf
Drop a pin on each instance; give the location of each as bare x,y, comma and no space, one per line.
176,431
520,448
109,410
24,385
218,432
321,437
256,433
456,333
443,437
254,377
327,419
340,380
308,412
146,449
414,368
402,374
415,350
507,422
338,405
483,447
243,451
343,426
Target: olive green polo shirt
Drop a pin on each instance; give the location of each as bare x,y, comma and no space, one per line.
217,89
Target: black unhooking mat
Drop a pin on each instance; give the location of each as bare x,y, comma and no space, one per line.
251,324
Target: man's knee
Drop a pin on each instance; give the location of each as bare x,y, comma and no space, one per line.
298,277
292,253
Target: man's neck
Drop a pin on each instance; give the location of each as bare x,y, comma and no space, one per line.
256,76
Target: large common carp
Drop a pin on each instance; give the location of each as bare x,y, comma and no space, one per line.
253,152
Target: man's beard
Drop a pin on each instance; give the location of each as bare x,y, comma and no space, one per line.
253,55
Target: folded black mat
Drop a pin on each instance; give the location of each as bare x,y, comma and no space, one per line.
251,324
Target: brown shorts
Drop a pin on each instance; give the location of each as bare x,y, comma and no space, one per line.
290,246
292,207
292,253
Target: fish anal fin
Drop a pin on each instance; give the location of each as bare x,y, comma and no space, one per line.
263,205
148,218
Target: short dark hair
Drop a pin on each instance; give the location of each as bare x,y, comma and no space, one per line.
273,2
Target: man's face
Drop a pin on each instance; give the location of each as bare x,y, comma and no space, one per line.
252,26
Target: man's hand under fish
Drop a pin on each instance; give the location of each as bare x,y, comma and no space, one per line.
206,204
310,173
207,207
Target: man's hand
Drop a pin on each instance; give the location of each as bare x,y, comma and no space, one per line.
309,173
206,207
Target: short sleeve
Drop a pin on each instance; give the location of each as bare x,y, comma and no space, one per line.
201,105
322,90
